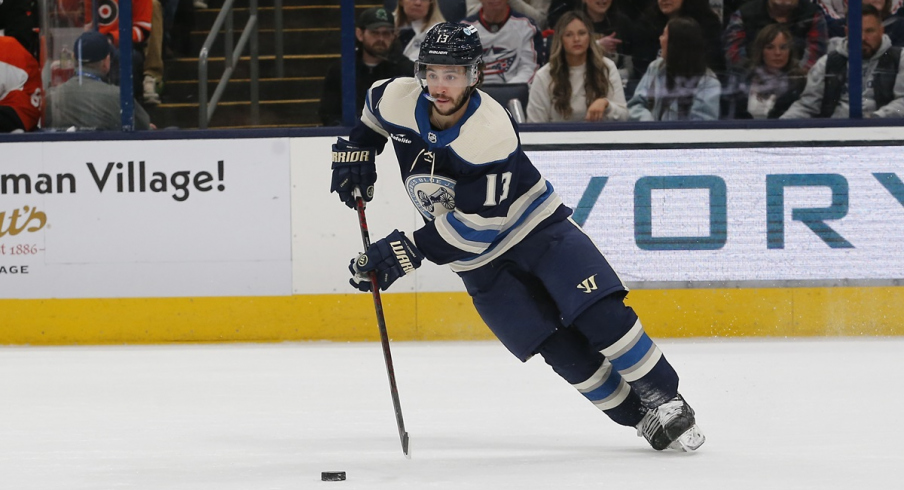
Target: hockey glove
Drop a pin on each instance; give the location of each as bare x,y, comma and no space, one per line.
391,258
353,167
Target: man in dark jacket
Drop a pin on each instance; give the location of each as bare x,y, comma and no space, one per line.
804,19
375,60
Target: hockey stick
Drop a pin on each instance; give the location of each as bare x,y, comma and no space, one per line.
381,323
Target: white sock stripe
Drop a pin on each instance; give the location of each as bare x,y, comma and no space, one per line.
616,398
625,342
596,379
644,366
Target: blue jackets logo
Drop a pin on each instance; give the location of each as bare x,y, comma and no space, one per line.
432,196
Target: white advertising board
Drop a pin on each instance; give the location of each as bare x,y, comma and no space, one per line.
145,219
715,216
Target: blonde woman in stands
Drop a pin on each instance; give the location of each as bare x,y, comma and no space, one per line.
579,83
413,19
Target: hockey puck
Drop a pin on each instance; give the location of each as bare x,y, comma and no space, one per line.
332,476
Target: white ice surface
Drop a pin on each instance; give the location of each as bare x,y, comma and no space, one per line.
778,414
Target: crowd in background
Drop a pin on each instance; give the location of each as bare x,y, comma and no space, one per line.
653,60
83,92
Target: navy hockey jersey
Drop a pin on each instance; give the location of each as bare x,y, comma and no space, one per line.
477,190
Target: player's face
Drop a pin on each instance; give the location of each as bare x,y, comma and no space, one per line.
598,7
576,39
670,7
872,35
448,85
776,53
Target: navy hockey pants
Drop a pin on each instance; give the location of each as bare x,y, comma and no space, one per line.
555,294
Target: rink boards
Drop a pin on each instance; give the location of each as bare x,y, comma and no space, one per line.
717,233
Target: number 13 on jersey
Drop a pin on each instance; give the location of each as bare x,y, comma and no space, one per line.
492,191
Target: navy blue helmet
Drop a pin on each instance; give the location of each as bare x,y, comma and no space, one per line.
450,43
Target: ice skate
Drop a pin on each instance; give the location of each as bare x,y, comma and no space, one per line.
671,425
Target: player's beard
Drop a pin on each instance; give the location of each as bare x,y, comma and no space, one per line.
457,104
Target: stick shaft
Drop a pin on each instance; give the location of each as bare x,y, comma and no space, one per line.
384,336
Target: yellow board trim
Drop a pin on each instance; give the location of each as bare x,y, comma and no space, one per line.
792,312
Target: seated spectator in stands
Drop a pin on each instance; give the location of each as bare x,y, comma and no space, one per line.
108,25
536,10
87,101
510,42
413,18
837,20
578,83
803,19
677,86
775,80
653,21
826,94
373,61
20,87
19,20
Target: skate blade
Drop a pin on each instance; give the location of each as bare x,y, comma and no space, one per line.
692,439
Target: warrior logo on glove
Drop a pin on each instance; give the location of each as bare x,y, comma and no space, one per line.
353,168
389,258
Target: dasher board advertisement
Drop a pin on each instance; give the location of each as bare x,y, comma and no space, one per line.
145,219
715,217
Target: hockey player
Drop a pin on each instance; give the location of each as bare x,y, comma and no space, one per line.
536,279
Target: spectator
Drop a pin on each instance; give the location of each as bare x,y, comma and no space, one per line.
678,85
153,63
578,83
803,19
835,12
20,87
775,81
87,101
826,94
108,25
413,18
510,42
893,24
653,21
536,10
615,34
375,33
19,20
451,10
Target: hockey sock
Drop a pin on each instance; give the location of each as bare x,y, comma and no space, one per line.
615,330
572,357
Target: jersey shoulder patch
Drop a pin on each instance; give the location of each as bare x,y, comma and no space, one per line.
488,135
